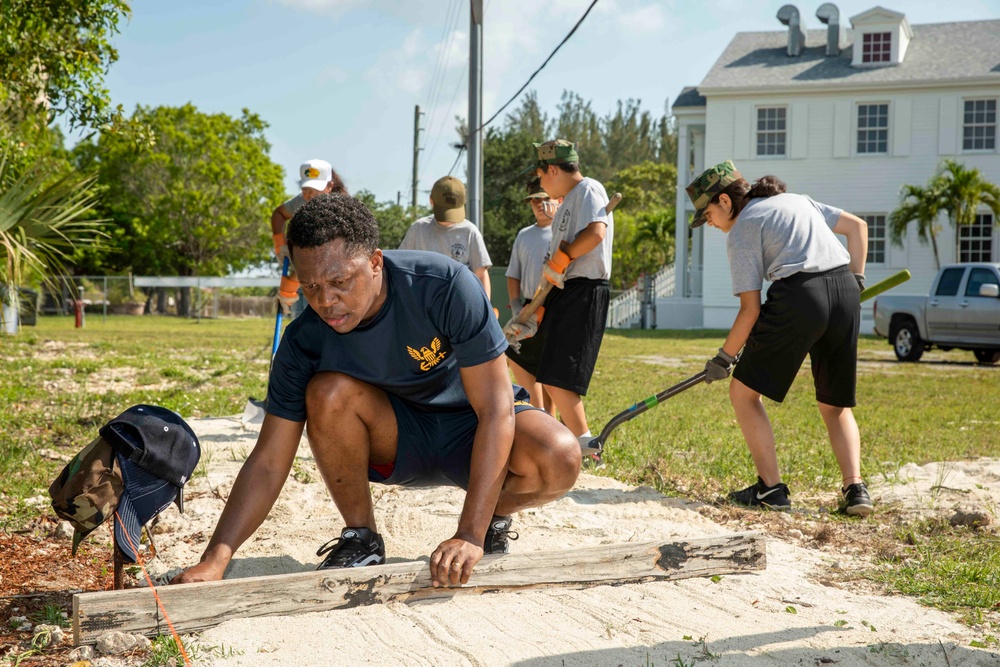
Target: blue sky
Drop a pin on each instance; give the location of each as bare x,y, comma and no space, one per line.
338,79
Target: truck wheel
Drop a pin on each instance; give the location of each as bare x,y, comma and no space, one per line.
906,341
987,356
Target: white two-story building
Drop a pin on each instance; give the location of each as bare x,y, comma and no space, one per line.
847,114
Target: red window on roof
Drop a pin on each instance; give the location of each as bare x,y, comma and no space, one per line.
876,47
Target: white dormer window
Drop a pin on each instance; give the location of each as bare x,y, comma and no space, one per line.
881,37
876,47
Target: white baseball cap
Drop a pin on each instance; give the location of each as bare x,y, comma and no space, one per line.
315,174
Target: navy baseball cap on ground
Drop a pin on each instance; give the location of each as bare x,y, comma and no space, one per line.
157,452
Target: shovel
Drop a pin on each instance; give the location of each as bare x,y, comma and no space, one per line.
255,409
596,446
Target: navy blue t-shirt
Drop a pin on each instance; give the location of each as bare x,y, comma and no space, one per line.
435,320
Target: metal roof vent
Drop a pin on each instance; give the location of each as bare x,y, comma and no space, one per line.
830,15
789,15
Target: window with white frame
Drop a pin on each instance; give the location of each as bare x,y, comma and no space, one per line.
876,238
771,130
876,47
975,241
873,128
979,125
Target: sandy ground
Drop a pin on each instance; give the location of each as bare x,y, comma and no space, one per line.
794,613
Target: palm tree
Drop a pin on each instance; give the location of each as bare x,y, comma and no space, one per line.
41,221
920,204
964,191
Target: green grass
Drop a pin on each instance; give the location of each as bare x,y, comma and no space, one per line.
59,384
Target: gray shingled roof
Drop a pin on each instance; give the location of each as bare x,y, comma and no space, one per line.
969,49
689,97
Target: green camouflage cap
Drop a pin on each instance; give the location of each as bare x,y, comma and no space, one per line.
711,182
557,151
535,190
88,489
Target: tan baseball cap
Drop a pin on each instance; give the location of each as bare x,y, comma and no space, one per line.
448,197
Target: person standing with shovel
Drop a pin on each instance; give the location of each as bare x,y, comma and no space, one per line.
813,307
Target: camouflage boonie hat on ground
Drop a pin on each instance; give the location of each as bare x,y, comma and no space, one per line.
535,190
88,489
711,182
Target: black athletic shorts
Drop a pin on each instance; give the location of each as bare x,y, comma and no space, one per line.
818,314
572,329
434,448
530,353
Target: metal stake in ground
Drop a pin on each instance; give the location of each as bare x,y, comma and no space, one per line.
253,412
596,446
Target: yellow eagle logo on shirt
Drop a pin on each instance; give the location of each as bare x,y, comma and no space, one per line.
428,357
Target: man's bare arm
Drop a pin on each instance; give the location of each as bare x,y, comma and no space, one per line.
488,388
256,488
278,219
587,240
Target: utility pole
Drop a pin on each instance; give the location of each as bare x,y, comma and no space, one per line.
474,202
416,154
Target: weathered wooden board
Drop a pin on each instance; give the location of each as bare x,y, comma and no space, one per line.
193,607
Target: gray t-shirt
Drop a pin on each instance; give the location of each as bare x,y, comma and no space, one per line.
528,256
462,241
583,205
776,237
294,204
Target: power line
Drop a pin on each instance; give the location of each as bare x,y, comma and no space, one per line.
438,76
457,158
535,73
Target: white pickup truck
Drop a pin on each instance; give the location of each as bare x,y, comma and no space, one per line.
962,311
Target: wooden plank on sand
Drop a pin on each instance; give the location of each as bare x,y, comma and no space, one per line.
193,607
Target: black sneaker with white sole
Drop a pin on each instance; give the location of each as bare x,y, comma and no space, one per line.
855,501
356,547
498,535
775,497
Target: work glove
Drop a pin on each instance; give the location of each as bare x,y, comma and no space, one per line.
281,252
515,306
860,277
555,269
516,331
288,294
550,208
719,367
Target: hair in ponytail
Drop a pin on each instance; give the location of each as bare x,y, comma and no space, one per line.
740,192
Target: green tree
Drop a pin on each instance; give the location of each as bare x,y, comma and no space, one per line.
964,192
196,204
42,220
921,205
955,190
644,221
53,58
393,219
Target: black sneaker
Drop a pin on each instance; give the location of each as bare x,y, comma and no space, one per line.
498,535
855,501
760,494
356,547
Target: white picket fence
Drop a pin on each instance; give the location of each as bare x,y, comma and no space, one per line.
625,310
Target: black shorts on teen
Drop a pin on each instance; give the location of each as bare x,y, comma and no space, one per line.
434,448
571,330
530,353
818,314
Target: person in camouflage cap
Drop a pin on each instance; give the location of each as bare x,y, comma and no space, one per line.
812,308
710,183
579,263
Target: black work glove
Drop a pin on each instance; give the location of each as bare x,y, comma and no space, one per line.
860,277
719,367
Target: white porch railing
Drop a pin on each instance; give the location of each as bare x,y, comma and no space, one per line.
626,308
